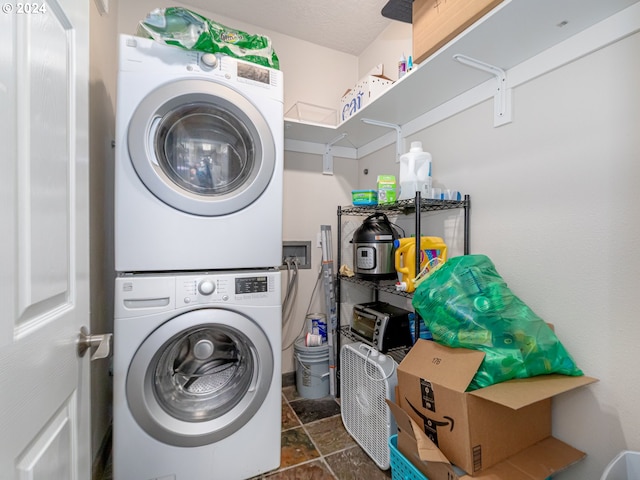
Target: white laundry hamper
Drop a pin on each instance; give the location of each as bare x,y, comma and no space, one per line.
625,466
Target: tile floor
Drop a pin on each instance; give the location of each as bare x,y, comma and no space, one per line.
315,444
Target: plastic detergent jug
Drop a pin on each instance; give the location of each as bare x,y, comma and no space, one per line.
415,173
431,248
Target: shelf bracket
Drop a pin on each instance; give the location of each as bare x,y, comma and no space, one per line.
502,113
327,157
399,140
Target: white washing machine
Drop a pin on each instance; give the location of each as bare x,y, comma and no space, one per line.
197,375
199,161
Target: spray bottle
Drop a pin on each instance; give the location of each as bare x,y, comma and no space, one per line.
415,173
402,66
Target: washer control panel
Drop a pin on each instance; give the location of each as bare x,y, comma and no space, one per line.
241,288
206,287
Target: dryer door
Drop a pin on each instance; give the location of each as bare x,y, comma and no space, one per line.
199,377
201,147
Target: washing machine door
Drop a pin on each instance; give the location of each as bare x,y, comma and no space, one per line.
201,147
199,377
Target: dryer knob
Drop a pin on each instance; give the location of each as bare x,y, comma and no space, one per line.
209,60
206,287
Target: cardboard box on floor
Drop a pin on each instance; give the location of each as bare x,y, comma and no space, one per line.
537,462
479,429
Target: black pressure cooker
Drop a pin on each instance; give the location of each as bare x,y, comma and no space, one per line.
373,249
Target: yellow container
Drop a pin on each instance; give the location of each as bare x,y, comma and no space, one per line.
433,251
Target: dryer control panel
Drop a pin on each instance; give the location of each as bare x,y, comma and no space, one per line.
146,56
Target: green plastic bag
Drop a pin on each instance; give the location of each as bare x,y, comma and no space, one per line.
186,29
466,303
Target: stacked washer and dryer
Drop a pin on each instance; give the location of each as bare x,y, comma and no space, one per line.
198,242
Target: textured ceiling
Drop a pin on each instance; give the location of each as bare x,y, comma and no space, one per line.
344,25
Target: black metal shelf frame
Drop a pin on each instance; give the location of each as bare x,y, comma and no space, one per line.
404,207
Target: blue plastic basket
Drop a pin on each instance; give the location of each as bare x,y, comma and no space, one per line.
401,468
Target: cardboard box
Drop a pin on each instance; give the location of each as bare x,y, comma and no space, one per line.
365,91
537,462
479,429
436,22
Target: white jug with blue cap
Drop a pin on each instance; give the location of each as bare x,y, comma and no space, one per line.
415,173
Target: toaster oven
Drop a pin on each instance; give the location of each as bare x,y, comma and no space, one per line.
382,325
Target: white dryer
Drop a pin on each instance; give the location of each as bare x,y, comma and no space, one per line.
199,161
197,376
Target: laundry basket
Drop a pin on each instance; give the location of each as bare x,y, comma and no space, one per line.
625,466
401,467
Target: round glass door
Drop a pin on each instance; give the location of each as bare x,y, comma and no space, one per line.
199,377
201,147
204,149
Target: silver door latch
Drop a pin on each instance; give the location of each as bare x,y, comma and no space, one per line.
86,341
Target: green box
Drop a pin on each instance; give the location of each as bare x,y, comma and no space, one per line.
386,189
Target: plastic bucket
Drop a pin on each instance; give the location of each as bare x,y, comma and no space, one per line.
312,369
625,466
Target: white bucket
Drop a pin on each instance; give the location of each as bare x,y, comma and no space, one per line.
312,369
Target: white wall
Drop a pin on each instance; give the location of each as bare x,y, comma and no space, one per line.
311,200
387,49
312,74
102,131
554,203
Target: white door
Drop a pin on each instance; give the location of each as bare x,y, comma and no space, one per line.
44,262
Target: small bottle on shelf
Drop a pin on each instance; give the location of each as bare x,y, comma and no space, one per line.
402,67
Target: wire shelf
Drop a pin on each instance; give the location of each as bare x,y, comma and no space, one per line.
397,353
388,286
405,207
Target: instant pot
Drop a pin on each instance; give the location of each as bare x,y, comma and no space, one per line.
373,249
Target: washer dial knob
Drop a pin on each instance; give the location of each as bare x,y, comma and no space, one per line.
206,287
209,60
